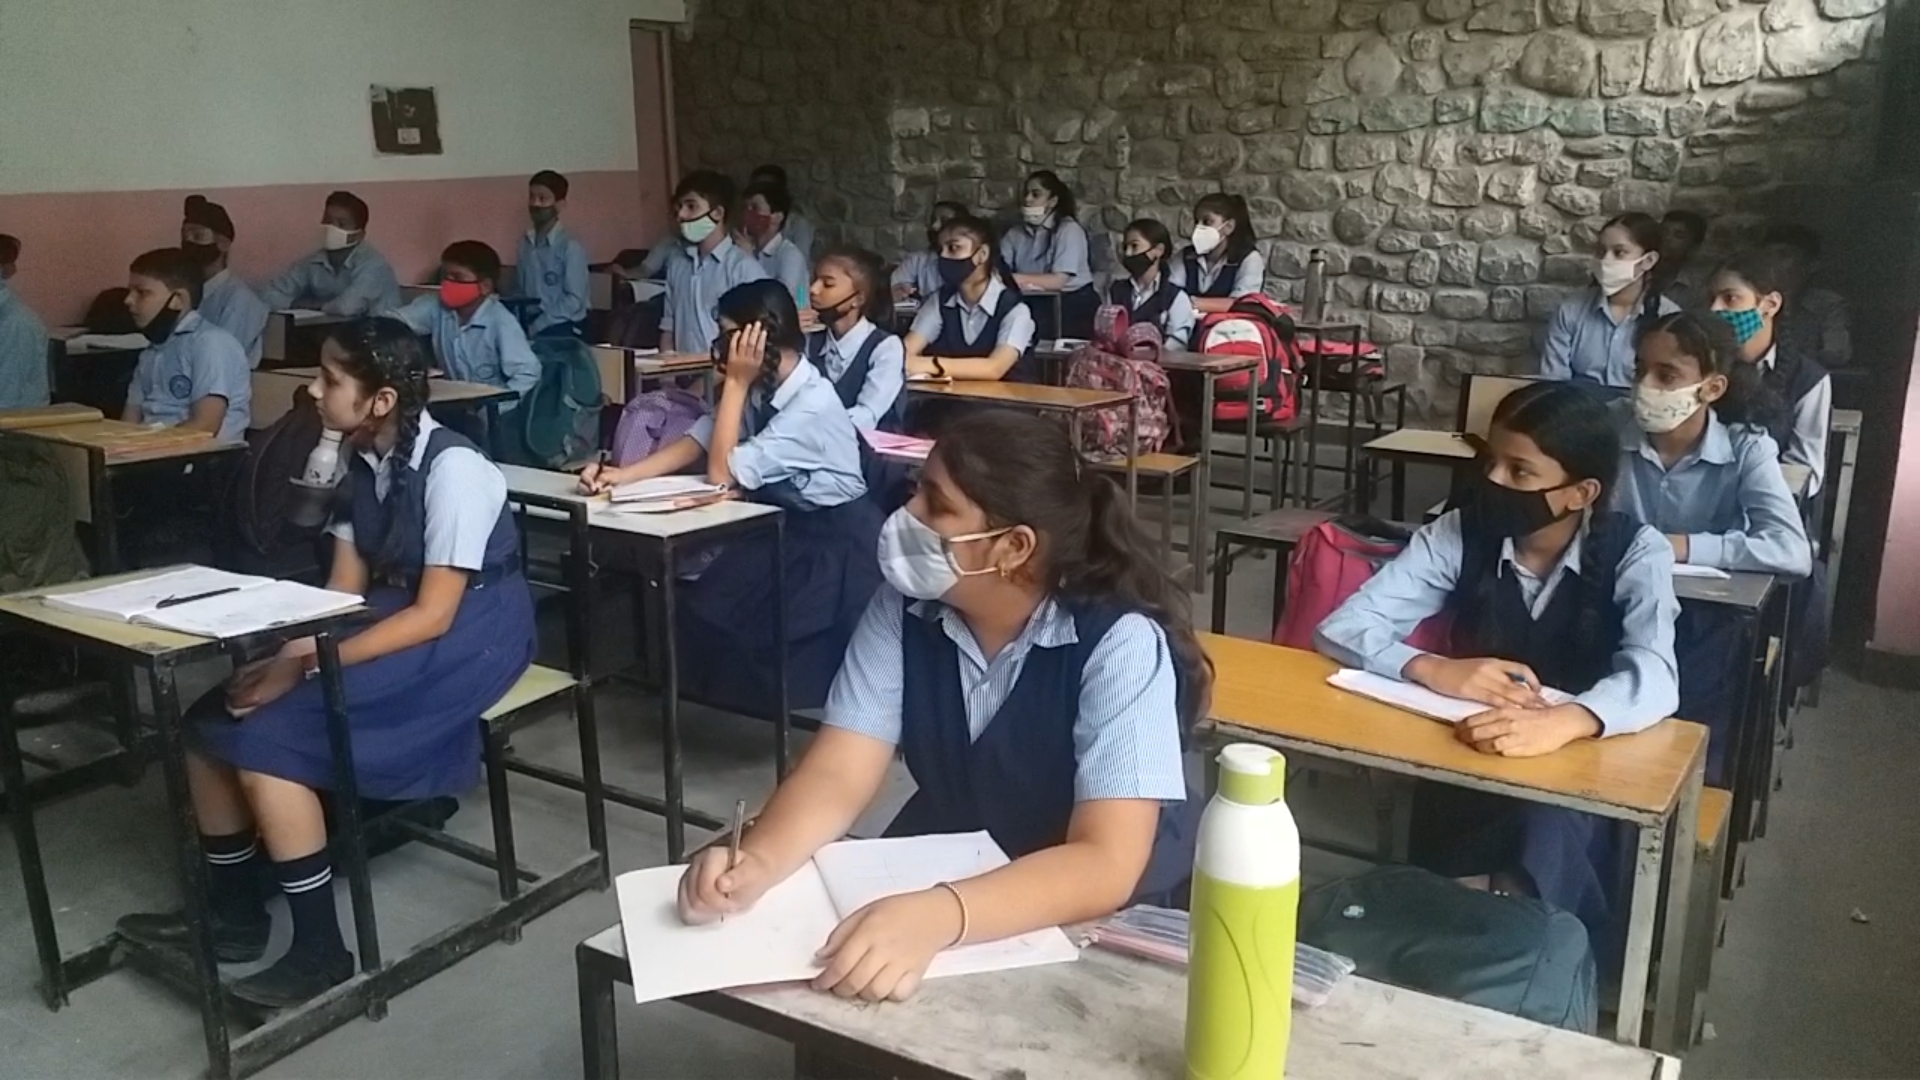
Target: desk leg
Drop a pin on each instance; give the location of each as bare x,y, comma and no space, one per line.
1313,426
1202,484
1133,455
1399,489
1673,967
783,714
33,871
599,1039
580,602
1777,703
1220,571
1743,735
346,810
192,867
671,761
1648,867
106,530
1253,441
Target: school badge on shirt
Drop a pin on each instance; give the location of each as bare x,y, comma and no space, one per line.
180,386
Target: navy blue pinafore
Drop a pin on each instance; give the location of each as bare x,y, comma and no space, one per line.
832,564
889,483
414,714
1222,287
1153,309
928,417
1578,862
1016,780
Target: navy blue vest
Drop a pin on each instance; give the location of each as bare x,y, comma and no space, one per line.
372,517
1572,644
854,379
952,342
1016,780
1156,307
1222,287
1793,376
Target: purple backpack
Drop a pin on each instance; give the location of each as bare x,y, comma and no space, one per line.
653,420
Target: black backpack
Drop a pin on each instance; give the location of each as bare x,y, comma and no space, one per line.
263,537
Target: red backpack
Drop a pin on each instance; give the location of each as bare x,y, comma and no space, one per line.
1123,358
1256,325
1329,564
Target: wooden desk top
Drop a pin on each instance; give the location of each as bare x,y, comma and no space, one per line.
47,416
1848,421
1069,399
1112,1017
1741,589
653,363
125,444
1262,689
1419,442
440,390
565,487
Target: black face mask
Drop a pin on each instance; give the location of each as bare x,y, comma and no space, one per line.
203,255
955,271
1506,513
1137,263
161,326
832,313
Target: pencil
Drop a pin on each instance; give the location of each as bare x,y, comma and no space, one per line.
733,840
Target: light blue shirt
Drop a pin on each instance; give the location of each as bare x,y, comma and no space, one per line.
785,262
695,283
1584,342
465,494
1812,426
1370,630
809,440
1058,246
1126,738
23,353
553,270
490,348
886,371
1249,279
1016,330
801,232
199,360
233,306
1727,496
364,284
919,271
1176,324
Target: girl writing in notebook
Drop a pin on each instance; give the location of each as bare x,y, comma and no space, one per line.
1544,588
1038,671
423,532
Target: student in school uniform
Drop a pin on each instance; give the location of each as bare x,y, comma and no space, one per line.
1590,337
23,339
799,230
705,262
976,326
193,374
475,338
427,539
1750,292
1545,588
763,220
1696,467
1222,261
1148,292
207,233
917,277
778,434
865,362
552,264
1683,273
1814,321
1038,671
346,276
1047,253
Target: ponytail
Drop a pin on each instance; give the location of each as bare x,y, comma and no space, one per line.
1234,208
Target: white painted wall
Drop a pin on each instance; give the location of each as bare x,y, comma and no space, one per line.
128,95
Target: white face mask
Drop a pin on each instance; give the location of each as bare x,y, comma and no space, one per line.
1660,411
1206,238
1034,215
696,231
334,238
915,561
1616,274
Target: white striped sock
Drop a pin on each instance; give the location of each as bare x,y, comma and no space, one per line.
230,858
318,880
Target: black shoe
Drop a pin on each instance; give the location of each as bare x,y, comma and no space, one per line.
384,838
233,942
294,979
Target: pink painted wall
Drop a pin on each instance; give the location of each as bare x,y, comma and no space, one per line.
76,244
1896,623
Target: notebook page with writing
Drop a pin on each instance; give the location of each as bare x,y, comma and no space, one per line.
774,942
263,607
858,872
1415,698
130,599
664,489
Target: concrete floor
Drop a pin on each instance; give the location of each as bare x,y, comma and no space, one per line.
1804,988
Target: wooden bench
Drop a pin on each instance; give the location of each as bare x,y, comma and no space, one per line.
1165,469
1708,908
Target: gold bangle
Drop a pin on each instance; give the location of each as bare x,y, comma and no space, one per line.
966,917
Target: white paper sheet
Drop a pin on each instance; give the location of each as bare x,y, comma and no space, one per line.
249,611
1691,570
664,489
302,316
130,599
1415,698
106,342
904,447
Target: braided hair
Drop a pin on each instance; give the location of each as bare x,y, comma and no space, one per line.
381,354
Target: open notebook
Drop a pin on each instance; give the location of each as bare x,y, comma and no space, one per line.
663,490
1415,698
206,602
776,940
903,447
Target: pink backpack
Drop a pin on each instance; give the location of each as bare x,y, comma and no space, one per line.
1329,564
1127,359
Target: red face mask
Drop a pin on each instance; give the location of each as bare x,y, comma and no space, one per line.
458,294
757,224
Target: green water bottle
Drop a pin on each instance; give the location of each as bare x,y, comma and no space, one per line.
1246,901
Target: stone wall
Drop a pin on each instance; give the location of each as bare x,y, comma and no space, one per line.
1454,157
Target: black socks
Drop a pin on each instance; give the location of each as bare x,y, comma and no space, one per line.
233,877
308,883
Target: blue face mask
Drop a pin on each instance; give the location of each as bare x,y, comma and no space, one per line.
1745,323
